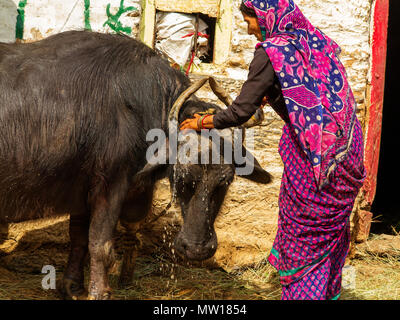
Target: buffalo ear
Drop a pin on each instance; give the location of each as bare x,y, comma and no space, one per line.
257,173
154,169
157,171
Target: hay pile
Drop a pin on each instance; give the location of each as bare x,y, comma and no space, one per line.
238,270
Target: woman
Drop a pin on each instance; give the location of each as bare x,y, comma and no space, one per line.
296,66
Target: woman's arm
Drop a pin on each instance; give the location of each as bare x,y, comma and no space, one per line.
260,79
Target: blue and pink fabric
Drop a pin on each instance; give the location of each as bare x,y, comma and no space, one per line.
318,97
321,148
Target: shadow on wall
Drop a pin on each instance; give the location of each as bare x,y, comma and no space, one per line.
8,20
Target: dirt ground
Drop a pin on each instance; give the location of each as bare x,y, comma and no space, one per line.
32,245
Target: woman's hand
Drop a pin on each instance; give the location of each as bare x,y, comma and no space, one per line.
191,124
197,123
206,121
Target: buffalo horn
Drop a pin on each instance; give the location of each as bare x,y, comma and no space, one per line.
216,88
173,114
220,92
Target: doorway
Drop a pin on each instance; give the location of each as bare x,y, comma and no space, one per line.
386,206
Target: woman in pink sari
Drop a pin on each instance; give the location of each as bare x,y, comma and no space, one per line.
297,67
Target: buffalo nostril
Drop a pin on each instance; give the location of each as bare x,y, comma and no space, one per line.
195,249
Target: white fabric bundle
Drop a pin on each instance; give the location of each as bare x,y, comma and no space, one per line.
171,29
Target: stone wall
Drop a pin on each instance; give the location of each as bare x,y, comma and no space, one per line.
42,18
247,221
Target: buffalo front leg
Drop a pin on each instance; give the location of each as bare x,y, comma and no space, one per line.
73,279
130,245
134,212
105,213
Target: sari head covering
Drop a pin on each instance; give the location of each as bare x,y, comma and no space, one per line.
319,100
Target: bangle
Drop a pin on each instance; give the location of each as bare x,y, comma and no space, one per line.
200,122
202,126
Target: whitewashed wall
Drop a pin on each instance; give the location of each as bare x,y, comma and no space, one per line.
8,20
45,17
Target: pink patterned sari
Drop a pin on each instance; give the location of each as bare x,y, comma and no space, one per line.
321,148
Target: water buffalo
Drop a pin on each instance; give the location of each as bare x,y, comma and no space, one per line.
75,109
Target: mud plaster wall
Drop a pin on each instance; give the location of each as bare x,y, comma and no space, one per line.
246,224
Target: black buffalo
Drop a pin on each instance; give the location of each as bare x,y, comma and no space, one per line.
75,109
